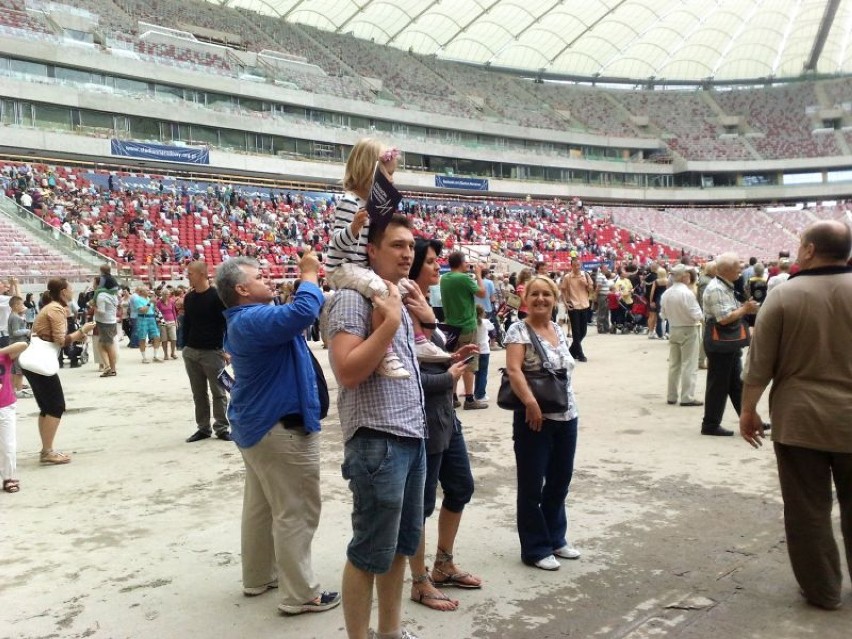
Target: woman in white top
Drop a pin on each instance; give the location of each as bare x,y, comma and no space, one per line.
544,443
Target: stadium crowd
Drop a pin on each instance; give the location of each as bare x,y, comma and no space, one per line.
155,228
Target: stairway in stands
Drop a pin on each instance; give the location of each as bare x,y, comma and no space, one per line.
33,251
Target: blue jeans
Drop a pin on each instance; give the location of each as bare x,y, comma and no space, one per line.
386,475
452,469
545,463
481,380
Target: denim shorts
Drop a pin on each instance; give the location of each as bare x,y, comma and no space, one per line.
386,475
146,328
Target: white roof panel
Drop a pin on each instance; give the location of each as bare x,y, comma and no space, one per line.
688,40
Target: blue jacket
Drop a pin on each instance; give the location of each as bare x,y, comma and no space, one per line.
273,372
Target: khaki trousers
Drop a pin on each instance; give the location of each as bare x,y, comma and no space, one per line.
806,477
281,511
202,367
683,362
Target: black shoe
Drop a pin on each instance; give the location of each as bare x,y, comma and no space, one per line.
829,606
670,403
197,436
767,426
718,432
582,358
225,436
694,402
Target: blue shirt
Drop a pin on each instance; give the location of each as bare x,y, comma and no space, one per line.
131,305
273,372
485,302
137,302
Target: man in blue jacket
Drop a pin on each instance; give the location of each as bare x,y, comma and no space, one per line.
275,413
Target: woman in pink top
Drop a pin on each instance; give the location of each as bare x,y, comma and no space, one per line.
8,445
168,329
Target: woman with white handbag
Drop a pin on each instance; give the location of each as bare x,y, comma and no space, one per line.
40,363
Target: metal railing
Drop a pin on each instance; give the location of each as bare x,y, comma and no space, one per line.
53,237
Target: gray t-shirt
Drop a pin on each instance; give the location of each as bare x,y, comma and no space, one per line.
17,327
106,308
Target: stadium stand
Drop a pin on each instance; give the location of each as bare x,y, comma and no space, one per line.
771,123
153,225
25,257
780,121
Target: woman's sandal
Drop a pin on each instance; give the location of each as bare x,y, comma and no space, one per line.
11,485
108,373
430,601
53,457
453,580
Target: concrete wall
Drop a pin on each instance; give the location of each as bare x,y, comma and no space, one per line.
38,143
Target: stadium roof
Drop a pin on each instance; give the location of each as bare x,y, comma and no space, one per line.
668,40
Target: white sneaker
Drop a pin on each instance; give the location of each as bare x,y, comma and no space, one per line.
145,360
390,366
567,552
259,590
548,563
426,351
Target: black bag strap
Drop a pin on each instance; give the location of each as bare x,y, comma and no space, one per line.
322,386
535,341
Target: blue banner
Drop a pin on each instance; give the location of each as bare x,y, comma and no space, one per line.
469,184
590,266
162,152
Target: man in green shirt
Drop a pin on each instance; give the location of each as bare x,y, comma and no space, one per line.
458,291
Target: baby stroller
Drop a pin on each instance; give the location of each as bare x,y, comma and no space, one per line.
76,352
639,314
623,319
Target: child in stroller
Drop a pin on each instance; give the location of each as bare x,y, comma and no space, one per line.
639,314
76,352
627,318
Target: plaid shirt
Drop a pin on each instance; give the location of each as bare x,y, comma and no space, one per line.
719,300
394,406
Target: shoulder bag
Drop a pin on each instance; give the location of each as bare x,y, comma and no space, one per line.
40,357
725,338
548,384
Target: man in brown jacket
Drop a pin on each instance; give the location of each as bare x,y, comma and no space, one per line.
803,344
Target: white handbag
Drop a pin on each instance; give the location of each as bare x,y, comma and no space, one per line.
40,357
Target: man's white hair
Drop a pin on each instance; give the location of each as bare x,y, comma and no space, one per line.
727,261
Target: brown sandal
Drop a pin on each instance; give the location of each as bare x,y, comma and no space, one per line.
453,580
426,599
53,457
11,485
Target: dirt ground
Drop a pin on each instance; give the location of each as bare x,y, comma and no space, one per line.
682,535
